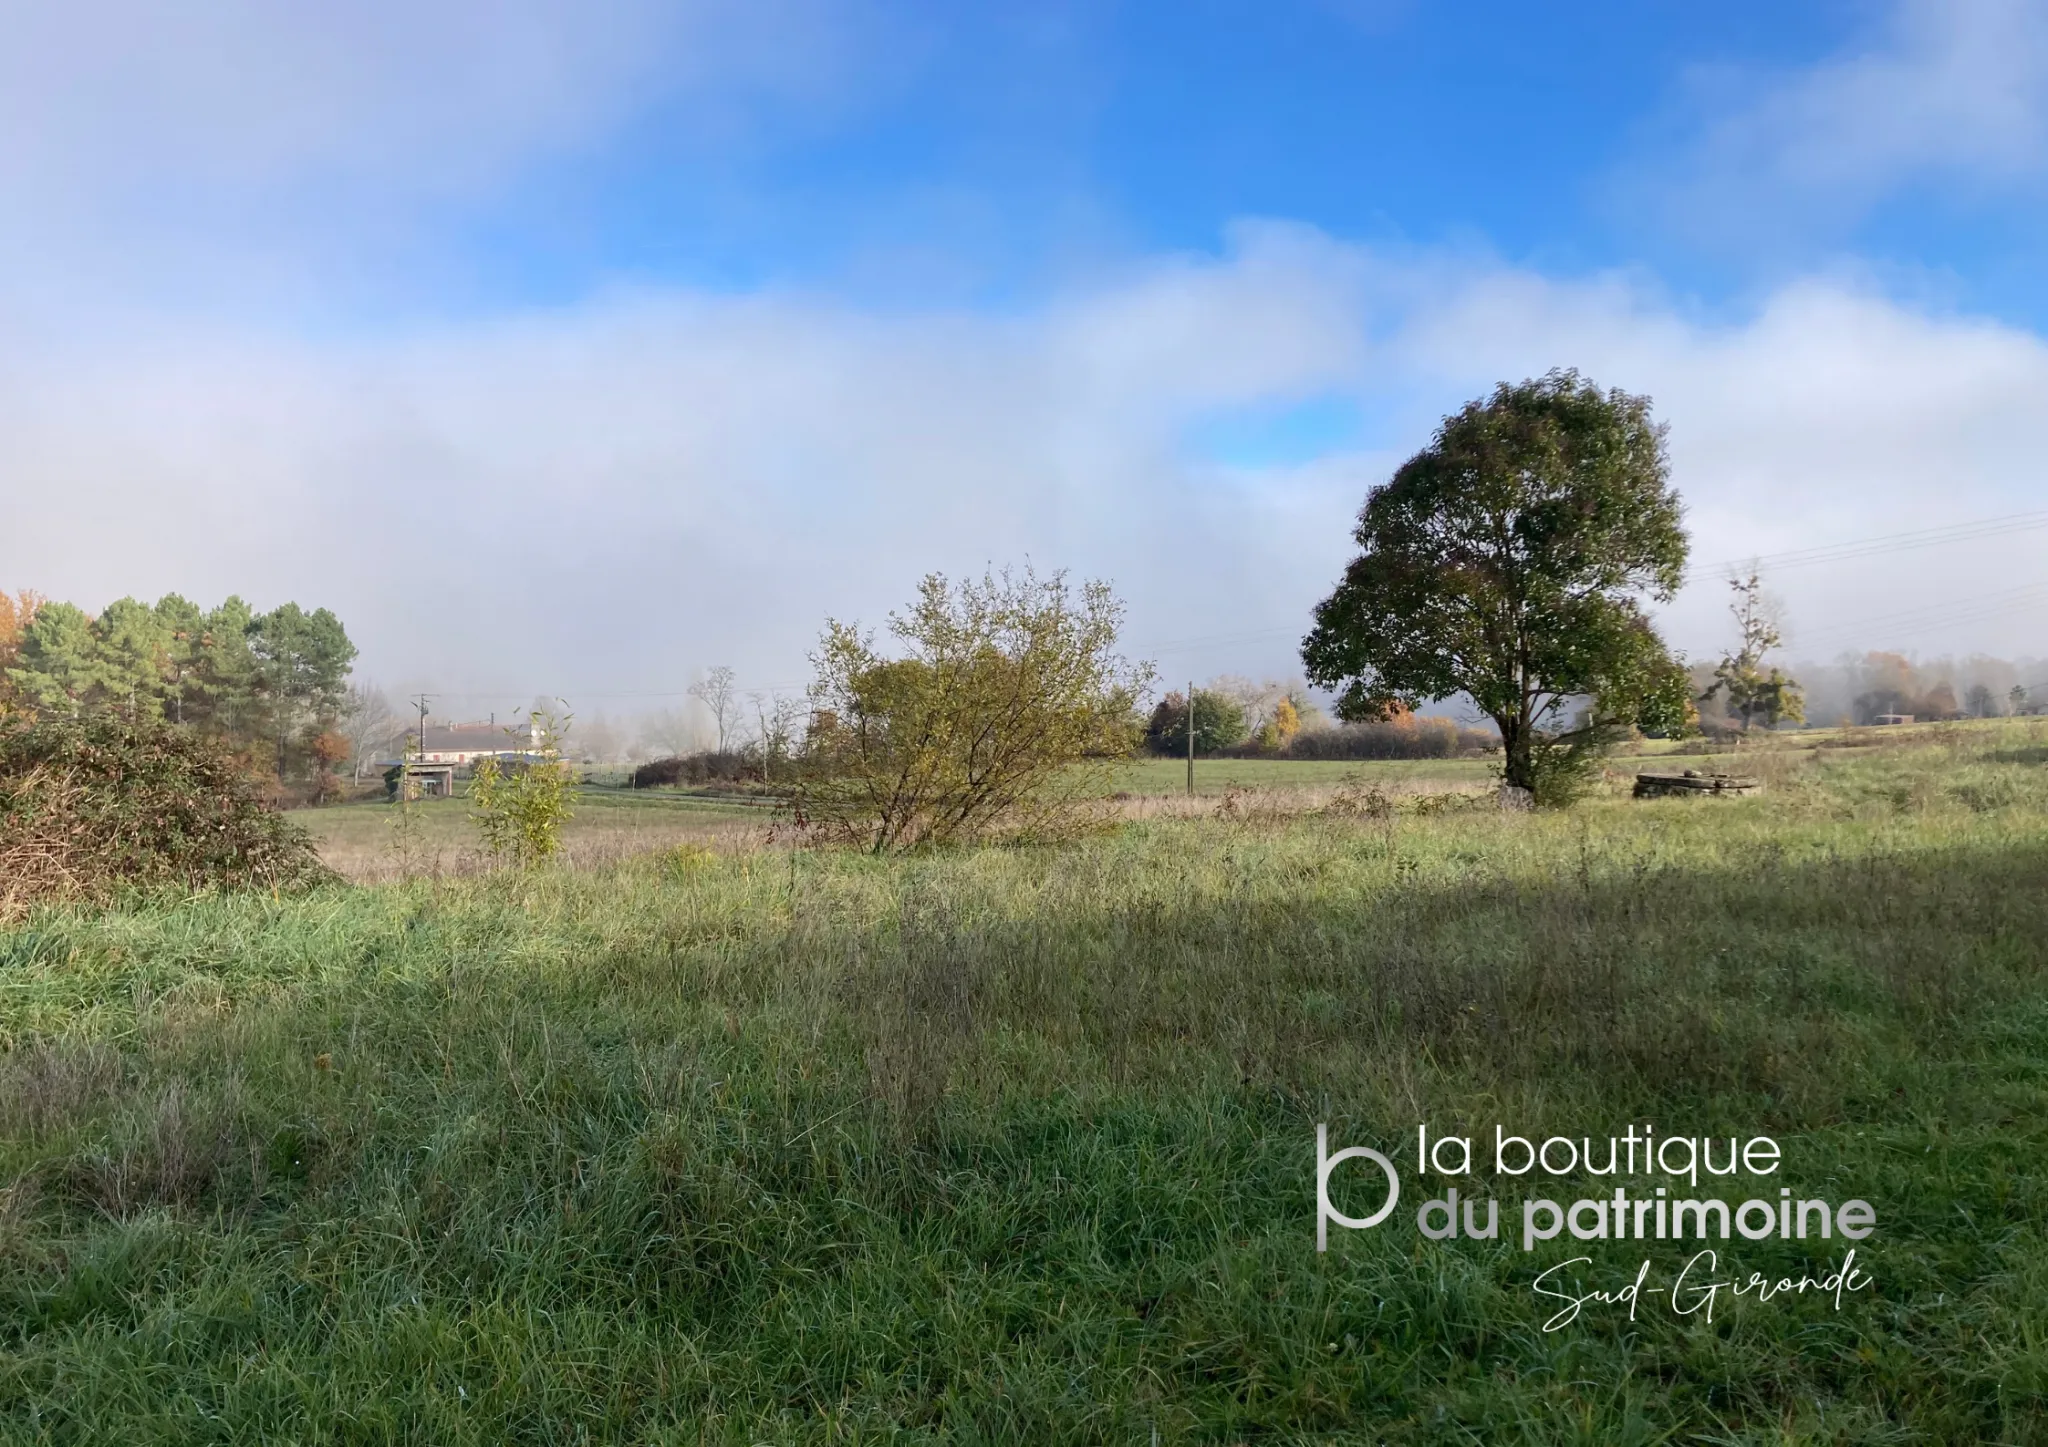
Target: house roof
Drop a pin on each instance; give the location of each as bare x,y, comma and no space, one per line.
472,738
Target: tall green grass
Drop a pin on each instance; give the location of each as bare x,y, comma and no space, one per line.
1017,1145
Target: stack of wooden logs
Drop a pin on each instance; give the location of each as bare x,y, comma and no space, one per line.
1693,782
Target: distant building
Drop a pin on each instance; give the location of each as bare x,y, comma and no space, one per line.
434,781
461,745
1893,718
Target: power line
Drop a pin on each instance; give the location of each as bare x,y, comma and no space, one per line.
1877,546
2003,598
647,693
1939,615
1183,645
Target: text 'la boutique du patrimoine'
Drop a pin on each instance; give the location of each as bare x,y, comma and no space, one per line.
1651,1213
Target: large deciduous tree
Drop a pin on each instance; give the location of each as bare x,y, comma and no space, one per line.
1220,723
1506,561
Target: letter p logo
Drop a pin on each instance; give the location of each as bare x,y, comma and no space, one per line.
1325,1212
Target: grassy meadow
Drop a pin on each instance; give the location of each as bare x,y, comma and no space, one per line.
610,824
1156,776
613,823
728,1142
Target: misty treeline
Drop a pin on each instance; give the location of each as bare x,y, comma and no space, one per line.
276,688
727,735
1861,688
272,687
1242,717
1235,717
725,731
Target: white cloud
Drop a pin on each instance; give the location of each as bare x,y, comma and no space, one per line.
425,93
1949,91
605,496
250,155
595,500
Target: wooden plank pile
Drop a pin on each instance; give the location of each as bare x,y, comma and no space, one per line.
1692,782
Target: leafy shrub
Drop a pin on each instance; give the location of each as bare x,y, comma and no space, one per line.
1561,775
92,806
521,804
1010,690
658,773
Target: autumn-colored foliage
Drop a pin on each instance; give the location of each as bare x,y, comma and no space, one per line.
16,612
327,748
1279,730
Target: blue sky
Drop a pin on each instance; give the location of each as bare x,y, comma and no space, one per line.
693,322
984,153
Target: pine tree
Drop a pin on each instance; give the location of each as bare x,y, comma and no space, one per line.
223,695
134,658
57,665
301,665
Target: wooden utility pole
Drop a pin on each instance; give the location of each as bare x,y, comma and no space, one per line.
421,702
1191,738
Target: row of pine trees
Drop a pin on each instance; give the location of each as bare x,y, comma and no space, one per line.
271,686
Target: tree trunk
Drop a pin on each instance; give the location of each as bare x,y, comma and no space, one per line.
1518,769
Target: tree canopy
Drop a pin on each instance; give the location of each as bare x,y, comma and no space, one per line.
1219,723
302,662
1506,561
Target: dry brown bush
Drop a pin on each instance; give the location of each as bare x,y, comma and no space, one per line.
91,807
